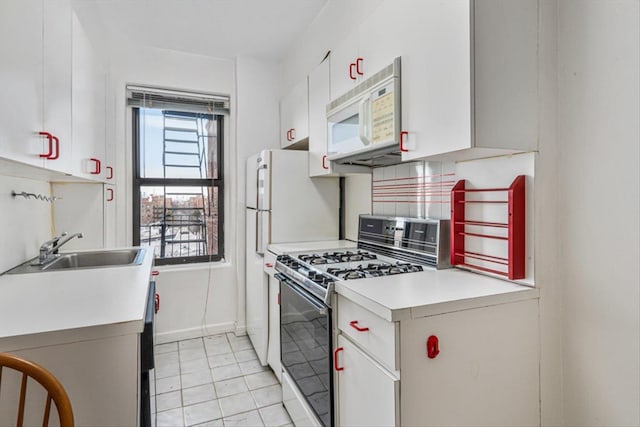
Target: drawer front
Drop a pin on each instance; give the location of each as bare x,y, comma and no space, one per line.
374,334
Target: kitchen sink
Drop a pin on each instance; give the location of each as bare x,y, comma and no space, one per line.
83,260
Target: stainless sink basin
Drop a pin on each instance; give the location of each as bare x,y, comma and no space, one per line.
82,260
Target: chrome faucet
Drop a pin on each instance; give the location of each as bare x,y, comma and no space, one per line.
51,247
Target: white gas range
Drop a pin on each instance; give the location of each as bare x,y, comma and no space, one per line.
387,246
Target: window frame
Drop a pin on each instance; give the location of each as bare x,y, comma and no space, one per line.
139,182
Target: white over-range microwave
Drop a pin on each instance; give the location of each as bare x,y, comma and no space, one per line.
364,123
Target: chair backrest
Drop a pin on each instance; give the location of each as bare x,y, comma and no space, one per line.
54,389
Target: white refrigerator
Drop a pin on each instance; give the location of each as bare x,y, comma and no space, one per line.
282,205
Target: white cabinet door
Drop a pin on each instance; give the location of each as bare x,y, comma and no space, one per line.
378,46
273,353
343,65
367,394
485,373
294,115
21,90
109,230
469,78
319,97
436,79
35,44
57,81
88,106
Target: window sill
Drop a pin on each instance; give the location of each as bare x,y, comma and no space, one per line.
192,266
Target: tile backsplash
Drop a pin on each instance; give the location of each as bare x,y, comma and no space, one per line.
422,189
416,189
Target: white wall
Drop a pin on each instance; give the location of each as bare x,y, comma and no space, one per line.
257,127
599,187
336,19
546,222
185,291
26,223
357,200
202,298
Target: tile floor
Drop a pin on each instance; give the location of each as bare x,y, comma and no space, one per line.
215,381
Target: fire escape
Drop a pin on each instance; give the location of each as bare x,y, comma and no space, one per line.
184,228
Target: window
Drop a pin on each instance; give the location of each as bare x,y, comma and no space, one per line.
178,188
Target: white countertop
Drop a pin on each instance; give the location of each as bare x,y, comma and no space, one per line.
421,294
73,305
431,292
323,245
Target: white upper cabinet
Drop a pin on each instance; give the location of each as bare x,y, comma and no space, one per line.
57,82
345,64
469,73
469,77
52,112
88,101
319,97
294,115
26,69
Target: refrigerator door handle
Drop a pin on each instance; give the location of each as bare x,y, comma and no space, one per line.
260,184
259,234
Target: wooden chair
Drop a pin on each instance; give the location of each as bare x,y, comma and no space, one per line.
54,389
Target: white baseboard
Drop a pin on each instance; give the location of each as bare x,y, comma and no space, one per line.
197,332
240,329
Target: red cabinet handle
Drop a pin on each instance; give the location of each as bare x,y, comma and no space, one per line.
351,71
155,273
110,172
358,69
98,166
354,325
157,298
402,135
268,265
432,347
57,149
110,191
50,149
335,359
293,134
289,135
324,162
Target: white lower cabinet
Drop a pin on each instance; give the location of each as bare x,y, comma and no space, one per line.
477,366
368,393
101,377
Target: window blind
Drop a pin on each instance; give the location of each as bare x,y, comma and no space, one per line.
167,99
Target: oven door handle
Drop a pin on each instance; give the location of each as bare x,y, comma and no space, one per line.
295,288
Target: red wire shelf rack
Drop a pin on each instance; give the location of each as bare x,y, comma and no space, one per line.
515,226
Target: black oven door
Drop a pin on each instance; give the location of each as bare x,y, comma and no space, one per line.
305,334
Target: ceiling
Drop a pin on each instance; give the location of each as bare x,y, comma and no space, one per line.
219,28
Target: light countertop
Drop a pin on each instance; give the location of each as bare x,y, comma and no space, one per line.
421,294
325,245
61,306
431,292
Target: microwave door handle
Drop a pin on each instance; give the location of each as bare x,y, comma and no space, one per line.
365,118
